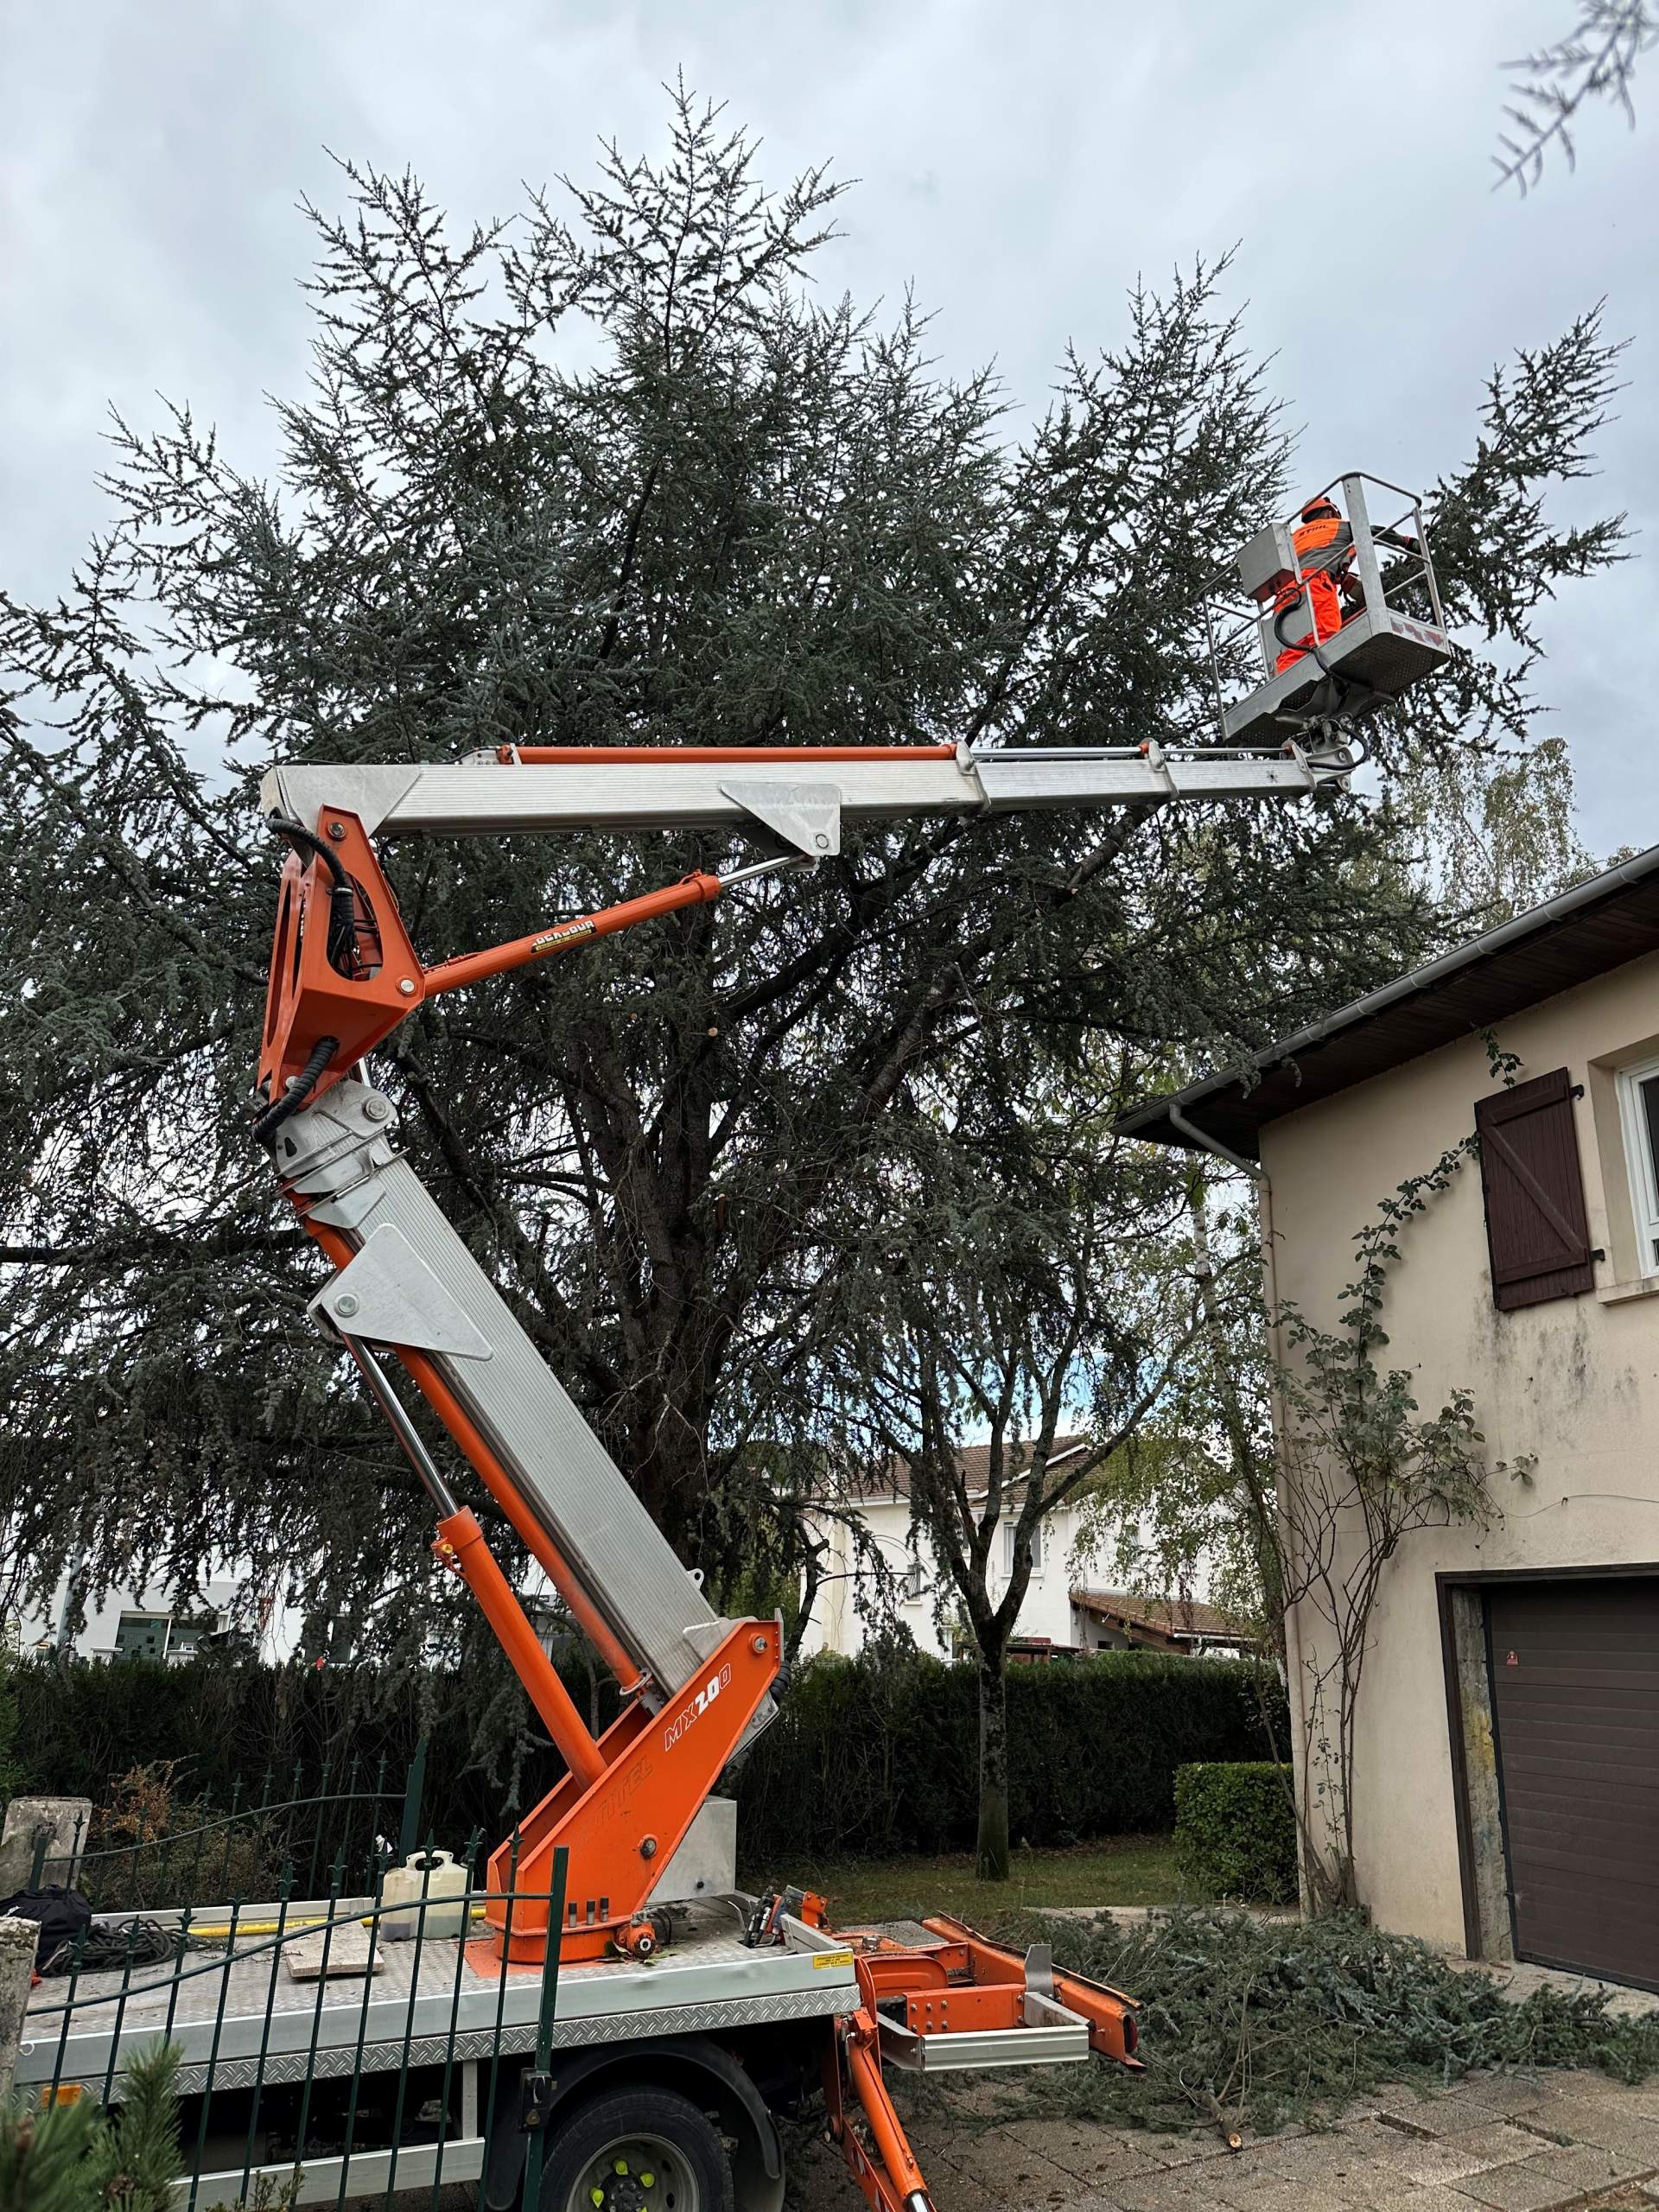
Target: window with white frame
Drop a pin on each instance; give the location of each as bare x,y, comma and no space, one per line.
1037,1535
1638,1109
913,1586
141,1636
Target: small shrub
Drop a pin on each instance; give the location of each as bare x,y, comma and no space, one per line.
76,2157
154,1845
1236,1831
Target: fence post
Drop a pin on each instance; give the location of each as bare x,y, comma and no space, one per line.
43,1840
409,1840
18,1941
539,2088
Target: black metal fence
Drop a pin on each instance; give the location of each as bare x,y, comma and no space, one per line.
347,1816
331,2048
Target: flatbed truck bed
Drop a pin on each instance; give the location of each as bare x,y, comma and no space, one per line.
439,2064
443,2010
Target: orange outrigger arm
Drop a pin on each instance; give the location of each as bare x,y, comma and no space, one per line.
947,2003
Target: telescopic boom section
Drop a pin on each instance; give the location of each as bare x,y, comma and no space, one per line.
344,973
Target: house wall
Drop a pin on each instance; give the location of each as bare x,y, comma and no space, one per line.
1574,1382
836,1624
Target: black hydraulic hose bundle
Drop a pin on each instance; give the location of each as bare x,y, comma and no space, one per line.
299,1088
1358,751
342,950
342,896
1311,645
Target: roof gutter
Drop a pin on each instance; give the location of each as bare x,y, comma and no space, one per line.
1533,923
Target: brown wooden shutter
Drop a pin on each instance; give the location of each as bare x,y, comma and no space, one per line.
1535,1228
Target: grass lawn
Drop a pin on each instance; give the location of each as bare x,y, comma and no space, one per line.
1121,1870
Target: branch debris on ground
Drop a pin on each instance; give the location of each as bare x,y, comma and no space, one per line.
1246,2023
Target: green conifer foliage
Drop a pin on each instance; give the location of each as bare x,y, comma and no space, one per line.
76,2157
614,472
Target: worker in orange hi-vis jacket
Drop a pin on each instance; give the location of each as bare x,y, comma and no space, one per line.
1324,546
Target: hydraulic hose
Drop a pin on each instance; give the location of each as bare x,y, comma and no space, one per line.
1312,647
342,895
298,1090
1357,752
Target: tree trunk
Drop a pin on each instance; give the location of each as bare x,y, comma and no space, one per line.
993,1849
1264,1533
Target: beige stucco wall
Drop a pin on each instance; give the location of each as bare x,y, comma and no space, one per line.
1575,1382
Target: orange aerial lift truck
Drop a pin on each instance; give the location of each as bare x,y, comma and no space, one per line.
670,1978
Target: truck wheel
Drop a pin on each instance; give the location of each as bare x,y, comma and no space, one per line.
637,2151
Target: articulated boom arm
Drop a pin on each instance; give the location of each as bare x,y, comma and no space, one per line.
344,973
355,980
634,1812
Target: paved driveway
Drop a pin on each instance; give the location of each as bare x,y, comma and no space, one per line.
1497,2143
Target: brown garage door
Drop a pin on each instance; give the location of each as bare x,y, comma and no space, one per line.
1575,1695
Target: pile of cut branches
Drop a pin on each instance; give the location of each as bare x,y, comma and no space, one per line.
1266,2024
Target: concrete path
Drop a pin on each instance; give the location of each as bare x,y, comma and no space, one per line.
1496,2143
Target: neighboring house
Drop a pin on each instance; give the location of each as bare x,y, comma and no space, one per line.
1046,1619
1116,1620
1508,1725
154,1623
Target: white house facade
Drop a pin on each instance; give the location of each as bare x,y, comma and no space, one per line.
1065,1611
158,1623
840,1622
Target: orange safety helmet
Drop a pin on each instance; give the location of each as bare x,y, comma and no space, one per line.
1320,506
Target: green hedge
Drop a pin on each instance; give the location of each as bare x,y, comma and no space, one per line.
1236,1831
80,1728
871,1757
874,1759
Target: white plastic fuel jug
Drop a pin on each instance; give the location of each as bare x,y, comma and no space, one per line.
434,1876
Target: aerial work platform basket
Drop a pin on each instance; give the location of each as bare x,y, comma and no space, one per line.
1391,631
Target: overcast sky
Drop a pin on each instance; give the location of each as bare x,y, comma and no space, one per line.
1020,162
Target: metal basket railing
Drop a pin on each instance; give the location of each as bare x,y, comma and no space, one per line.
1238,630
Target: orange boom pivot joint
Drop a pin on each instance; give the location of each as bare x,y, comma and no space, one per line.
344,973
